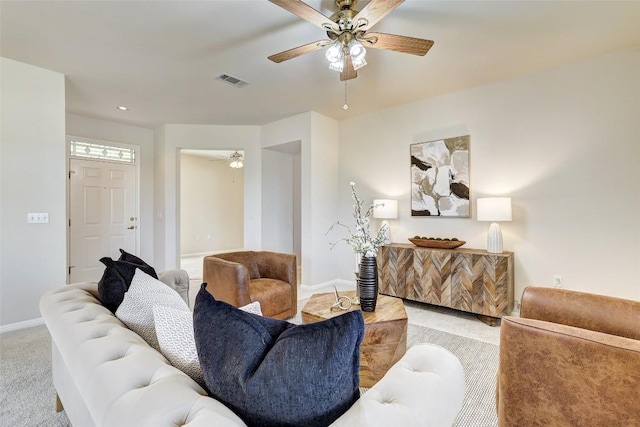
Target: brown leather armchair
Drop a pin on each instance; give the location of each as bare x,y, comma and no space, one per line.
571,359
240,278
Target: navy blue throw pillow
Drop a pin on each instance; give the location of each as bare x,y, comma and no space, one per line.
273,373
117,277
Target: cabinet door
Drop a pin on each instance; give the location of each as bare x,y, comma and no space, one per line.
395,270
432,276
480,283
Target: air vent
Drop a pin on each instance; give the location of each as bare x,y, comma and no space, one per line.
232,80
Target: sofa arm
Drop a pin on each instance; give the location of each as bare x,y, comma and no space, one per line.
178,280
588,311
424,388
227,281
557,375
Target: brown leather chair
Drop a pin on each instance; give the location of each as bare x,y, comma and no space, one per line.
240,278
571,359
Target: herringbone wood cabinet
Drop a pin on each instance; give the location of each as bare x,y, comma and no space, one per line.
465,279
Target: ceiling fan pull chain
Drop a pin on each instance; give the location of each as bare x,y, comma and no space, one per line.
345,107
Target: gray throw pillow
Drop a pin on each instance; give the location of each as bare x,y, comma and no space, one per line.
273,373
136,310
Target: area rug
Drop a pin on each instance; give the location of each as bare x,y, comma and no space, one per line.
27,396
480,363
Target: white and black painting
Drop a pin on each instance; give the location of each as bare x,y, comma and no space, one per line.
440,178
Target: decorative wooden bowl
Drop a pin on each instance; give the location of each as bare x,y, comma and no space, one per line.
437,244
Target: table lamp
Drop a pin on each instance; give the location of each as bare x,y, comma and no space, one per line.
385,209
494,209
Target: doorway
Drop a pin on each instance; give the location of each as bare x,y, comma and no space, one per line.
103,207
211,206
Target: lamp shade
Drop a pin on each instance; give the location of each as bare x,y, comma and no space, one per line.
385,209
494,209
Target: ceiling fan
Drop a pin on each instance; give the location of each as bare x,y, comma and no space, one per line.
348,32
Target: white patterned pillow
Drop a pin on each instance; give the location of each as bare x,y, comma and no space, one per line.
174,329
254,308
136,310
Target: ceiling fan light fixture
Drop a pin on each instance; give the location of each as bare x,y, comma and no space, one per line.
334,53
337,66
236,160
357,64
357,50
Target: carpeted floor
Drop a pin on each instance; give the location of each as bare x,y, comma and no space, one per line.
27,396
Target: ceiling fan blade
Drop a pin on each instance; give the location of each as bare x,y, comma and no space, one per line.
396,43
305,12
298,51
376,10
348,72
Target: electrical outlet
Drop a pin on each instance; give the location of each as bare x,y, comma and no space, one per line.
557,281
516,306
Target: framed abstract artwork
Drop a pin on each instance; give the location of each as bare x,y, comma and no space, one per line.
440,178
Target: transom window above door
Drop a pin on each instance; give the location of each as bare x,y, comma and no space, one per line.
102,152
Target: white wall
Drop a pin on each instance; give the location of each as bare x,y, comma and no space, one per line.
211,205
564,144
32,179
323,185
277,201
297,206
103,130
170,139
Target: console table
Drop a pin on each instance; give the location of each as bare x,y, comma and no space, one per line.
470,280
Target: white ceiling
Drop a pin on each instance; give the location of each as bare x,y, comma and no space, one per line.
160,58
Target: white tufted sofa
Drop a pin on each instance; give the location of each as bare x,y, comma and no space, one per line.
106,375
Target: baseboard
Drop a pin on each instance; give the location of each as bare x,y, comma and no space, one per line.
198,254
21,325
339,283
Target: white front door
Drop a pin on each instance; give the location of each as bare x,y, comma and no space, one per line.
102,215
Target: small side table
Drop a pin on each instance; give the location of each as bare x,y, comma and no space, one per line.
385,332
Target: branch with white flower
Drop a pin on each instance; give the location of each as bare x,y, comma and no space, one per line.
361,240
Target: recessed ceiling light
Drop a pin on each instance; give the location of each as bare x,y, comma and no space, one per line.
122,108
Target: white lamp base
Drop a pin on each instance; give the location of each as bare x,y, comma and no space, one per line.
494,239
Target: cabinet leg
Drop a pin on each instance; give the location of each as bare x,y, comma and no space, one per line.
491,321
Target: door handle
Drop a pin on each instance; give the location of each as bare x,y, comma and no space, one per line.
131,227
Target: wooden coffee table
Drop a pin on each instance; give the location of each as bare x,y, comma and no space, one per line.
385,332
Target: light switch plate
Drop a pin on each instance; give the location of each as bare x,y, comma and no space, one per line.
38,218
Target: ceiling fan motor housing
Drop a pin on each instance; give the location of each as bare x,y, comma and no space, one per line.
344,19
